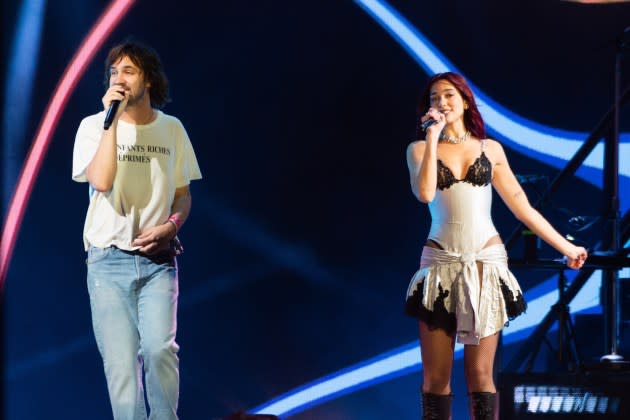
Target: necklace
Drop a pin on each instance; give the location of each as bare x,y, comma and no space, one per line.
454,140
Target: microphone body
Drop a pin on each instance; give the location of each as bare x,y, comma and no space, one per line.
111,113
428,123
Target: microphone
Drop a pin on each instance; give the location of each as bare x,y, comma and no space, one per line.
428,123
111,112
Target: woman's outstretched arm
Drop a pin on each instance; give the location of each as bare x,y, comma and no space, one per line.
512,193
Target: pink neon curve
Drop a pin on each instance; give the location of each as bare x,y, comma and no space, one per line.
75,69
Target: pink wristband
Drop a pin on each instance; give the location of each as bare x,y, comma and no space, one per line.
175,220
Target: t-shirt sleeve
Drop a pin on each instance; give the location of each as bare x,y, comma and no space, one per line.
85,145
186,167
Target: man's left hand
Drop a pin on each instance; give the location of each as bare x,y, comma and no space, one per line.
155,239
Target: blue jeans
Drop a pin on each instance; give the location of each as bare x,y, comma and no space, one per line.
134,316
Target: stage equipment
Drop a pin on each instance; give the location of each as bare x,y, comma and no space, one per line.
610,278
599,390
568,353
606,255
597,395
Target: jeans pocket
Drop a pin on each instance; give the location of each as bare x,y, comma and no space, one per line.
95,254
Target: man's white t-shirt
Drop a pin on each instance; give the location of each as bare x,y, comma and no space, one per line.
153,160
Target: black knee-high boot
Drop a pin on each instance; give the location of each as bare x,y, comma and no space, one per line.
436,407
483,405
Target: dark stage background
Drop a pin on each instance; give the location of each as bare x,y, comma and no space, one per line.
304,232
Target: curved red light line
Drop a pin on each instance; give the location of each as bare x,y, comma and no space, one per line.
75,69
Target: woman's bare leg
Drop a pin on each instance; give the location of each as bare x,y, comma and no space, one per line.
436,347
479,364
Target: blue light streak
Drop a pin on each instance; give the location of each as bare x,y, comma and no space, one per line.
21,69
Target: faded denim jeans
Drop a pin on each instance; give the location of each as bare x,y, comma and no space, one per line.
134,316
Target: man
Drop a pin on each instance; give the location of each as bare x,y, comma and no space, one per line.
139,171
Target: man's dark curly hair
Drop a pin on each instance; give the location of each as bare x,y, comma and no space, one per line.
147,59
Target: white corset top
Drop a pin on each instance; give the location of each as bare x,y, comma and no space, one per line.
461,209
461,217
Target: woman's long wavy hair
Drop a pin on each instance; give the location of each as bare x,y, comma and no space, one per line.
472,117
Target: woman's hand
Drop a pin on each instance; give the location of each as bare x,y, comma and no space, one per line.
433,131
576,259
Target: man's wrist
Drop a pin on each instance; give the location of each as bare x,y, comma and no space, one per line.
173,218
170,222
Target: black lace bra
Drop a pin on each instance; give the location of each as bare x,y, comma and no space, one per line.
478,174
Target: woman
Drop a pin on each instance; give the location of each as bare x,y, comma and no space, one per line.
464,287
